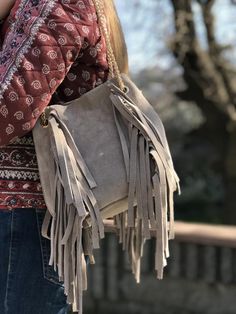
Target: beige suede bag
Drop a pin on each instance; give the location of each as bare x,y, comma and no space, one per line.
104,155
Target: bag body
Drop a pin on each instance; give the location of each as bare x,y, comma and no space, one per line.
104,155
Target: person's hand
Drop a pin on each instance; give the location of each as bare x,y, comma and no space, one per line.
5,7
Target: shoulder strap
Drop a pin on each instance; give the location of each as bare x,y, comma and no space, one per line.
112,63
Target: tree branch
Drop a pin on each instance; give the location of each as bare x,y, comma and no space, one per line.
203,70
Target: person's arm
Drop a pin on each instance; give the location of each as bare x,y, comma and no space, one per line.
35,76
5,7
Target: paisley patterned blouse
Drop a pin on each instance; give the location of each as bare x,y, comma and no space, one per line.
50,51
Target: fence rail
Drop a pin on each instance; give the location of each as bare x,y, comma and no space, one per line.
198,233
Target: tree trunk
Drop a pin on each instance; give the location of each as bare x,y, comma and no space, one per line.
209,84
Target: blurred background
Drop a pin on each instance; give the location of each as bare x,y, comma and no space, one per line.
183,57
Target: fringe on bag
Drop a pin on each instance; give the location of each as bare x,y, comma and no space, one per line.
151,183
152,179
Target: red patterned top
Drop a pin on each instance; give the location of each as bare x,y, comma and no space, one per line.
50,51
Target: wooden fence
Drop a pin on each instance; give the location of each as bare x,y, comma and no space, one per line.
201,256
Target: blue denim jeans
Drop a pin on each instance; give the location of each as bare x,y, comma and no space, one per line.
28,285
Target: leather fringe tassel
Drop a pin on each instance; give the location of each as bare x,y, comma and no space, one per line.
152,182
71,238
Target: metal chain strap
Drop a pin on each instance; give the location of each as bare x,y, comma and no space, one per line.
43,120
112,63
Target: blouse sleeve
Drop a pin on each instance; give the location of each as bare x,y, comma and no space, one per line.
37,52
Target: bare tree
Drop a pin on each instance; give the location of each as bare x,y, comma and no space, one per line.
210,81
